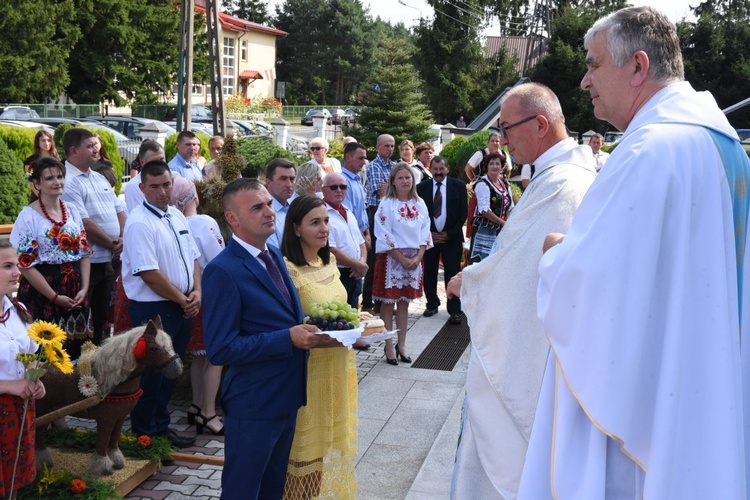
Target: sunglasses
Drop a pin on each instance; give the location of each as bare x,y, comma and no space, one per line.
336,187
316,148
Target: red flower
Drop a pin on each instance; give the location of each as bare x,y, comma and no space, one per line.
78,486
65,241
54,231
83,242
25,260
144,441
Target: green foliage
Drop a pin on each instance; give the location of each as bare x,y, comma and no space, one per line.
72,439
466,150
170,146
516,192
19,140
37,37
59,133
328,55
110,146
336,150
450,152
397,109
258,152
249,10
53,484
14,189
130,47
719,39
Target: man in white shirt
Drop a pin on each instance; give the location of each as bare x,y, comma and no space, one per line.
149,150
345,239
184,162
162,278
280,175
103,219
596,146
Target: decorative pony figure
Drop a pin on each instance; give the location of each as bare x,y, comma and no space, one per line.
113,372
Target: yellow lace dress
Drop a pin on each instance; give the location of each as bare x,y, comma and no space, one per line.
321,464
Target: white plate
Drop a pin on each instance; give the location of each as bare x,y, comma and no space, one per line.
384,335
345,337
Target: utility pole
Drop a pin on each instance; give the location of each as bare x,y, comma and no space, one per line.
541,26
185,70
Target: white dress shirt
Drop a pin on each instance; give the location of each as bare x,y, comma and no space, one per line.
344,234
440,221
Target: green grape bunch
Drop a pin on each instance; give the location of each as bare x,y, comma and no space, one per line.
332,316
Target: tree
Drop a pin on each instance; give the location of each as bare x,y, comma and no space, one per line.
249,10
716,52
328,55
395,107
37,37
129,47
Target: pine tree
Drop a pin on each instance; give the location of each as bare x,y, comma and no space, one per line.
250,10
395,107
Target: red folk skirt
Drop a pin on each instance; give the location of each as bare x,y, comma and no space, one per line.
11,410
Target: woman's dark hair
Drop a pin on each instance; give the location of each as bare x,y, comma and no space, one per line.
53,148
107,170
22,313
291,246
42,164
103,151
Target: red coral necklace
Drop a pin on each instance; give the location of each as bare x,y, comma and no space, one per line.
53,221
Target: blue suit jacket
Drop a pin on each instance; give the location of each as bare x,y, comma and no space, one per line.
246,324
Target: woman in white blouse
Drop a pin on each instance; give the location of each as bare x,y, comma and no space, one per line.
319,149
205,378
402,227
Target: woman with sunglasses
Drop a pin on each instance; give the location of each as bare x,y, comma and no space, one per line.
319,149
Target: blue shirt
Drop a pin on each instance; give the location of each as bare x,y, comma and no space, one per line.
189,170
379,170
355,198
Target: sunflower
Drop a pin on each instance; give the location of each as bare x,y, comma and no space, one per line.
44,333
57,357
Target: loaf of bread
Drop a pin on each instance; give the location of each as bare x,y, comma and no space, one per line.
372,326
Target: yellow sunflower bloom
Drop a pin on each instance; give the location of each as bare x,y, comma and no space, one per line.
44,333
58,358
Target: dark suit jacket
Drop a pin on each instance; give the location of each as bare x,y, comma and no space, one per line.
456,206
246,324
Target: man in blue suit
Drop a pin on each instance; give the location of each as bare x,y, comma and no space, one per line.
252,323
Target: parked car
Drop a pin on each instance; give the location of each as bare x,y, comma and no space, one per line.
128,148
200,113
744,134
612,138
17,113
56,122
26,124
342,116
248,128
129,126
308,118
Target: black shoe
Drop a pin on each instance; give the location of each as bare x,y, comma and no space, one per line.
180,441
455,319
429,312
405,359
390,361
361,347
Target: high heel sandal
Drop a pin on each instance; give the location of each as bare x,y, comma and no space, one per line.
191,415
405,359
203,424
390,361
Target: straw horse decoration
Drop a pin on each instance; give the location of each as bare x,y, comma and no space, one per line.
116,366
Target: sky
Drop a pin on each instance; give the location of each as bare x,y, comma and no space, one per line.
394,11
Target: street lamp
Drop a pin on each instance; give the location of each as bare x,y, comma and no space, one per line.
411,7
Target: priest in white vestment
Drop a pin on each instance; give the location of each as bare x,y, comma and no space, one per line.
509,348
643,298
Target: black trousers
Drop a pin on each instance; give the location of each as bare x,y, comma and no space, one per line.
367,287
101,283
451,253
353,287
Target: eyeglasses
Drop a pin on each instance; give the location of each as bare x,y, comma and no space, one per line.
316,148
336,187
504,130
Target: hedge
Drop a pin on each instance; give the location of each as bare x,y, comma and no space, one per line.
450,151
14,189
170,146
19,140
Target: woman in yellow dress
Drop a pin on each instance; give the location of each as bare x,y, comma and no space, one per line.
321,464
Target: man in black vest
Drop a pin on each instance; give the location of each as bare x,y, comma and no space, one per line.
447,205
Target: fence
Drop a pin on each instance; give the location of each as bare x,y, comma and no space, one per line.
62,110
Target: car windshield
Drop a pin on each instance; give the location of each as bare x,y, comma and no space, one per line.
118,136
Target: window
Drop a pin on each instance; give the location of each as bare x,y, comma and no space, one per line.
197,89
243,50
228,78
